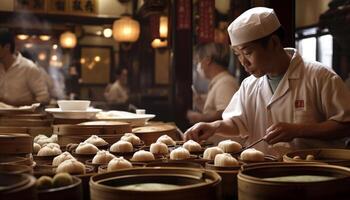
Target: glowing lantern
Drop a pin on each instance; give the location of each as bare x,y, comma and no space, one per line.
68,40
163,27
157,43
126,29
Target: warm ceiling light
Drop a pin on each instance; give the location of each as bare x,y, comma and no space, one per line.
126,29
28,45
45,37
163,26
54,57
42,56
22,36
97,58
82,61
107,32
68,40
98,32
157,43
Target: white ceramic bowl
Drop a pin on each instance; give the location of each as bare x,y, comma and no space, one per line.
67,105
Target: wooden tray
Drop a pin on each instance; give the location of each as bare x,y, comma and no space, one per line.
92,129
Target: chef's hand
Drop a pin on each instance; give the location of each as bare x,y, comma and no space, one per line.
281,132
201,131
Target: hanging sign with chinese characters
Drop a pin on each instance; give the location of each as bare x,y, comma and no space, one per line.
206,26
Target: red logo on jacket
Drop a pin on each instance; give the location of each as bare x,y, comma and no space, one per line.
299,104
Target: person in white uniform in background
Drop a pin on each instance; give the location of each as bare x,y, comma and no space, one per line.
118,92
213,59
21,82
286,99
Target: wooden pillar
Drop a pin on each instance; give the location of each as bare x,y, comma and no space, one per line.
182,63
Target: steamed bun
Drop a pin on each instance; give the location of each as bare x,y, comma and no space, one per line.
166,140
102,157
86,148
97,141
142,155
36,148
118,163
51,144
158,148
42,139
60,158
38,137
192,146
71,166
229,146
49,151
122,147
132,138
179,153
225,160
211,152
252,155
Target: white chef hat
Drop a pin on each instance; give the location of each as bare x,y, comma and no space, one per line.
253,24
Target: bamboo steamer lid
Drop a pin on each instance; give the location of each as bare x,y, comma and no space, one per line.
24,116
150,134
16,143
17,186
25,122
93,128
58,121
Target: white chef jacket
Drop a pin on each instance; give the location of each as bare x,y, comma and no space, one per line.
308,92
117,94
22,83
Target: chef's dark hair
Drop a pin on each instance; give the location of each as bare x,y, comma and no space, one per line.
7,37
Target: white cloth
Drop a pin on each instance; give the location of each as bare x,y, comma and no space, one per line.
308,92
221,89
117,94
253,24
23,83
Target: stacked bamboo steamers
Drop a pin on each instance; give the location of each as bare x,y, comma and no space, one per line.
113,160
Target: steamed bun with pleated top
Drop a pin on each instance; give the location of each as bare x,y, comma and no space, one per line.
229,146
142,155
158,148
211,152
132,138
49,151
96,140
192,146
71,166
252,155
61,158
179,153
86,148
225,160
122,147
102,157
118,163
166,140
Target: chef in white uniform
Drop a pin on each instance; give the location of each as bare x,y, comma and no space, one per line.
292,103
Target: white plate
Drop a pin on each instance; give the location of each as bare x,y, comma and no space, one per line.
132,118
73,114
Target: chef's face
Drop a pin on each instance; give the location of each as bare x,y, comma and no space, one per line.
254,57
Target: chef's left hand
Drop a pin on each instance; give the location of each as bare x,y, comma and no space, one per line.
281,132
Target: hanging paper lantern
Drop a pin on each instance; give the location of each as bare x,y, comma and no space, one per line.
68,40
157,43
126,29
163,26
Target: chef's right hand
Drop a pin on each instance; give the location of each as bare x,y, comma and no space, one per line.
201,131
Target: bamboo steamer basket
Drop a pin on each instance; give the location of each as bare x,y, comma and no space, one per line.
252,184
17,186
175,163
192,184
15,143
33,131
339,157
61,121
73,191
93,128
229,179
15,169
24,116
16,160
26,122
150,134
